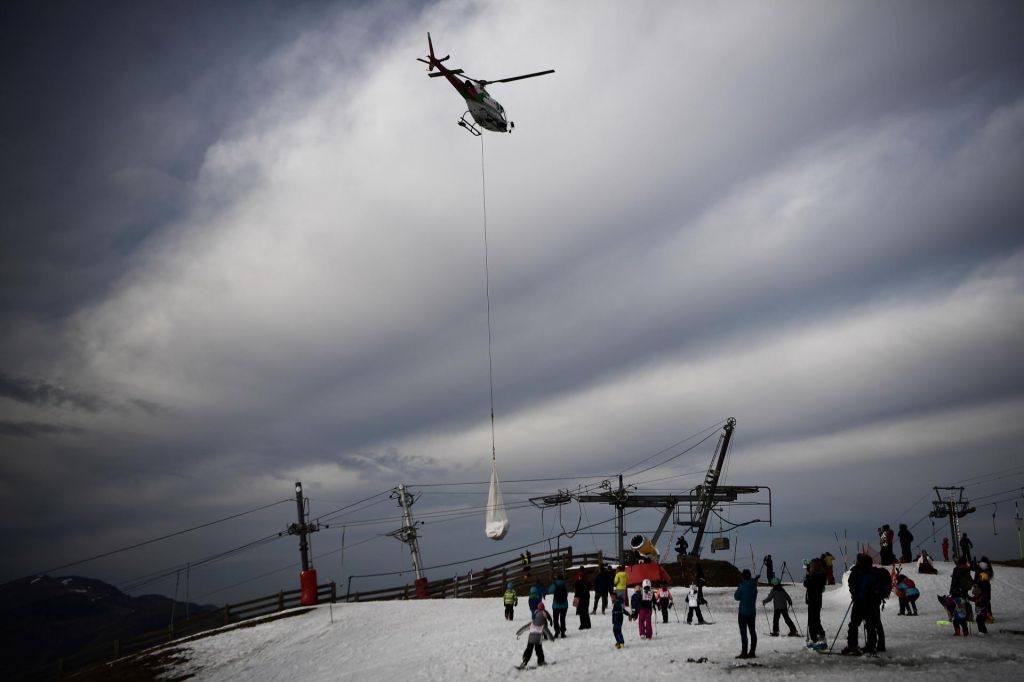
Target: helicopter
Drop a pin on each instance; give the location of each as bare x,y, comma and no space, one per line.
484,110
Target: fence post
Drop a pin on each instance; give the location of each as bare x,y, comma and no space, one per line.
456,587
504,577
334,592
227,614
280,600
405,591
117,649
568,554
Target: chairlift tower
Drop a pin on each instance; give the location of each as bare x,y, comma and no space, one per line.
407,533
955,507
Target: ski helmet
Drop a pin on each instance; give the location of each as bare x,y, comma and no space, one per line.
776,581
540,606
646,584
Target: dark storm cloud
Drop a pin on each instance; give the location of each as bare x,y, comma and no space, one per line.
36,429
43,393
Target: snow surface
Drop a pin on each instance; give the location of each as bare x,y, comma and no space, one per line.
468,639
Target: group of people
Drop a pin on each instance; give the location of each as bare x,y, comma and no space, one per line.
869,586
607,585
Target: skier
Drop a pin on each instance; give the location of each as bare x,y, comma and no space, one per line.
664,601
814,583
634,603
906,537
602,586
781,601
559,604
965,547
885,553
693,606
769,567
646,610
618,609
961,612
538,627
865,608
581,599
746,595
701,582
945,549
907,593
827,559
511,600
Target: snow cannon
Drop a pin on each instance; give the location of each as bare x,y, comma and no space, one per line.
645,549
648,567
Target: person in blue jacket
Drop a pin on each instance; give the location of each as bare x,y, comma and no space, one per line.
746,595
535,599
559,604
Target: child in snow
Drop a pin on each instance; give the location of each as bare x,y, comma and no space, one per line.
539,631
907,593
693,606
535,599
646,609
511,600
634,603
781,601
982,599
961,612
664,602
618,609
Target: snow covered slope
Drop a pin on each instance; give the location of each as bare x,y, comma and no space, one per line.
468,639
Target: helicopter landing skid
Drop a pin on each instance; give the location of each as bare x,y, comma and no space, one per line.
469,125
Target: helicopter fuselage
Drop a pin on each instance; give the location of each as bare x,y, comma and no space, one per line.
484,109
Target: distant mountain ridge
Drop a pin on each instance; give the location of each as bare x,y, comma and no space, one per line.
43,618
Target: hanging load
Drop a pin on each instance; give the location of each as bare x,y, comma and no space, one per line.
497,520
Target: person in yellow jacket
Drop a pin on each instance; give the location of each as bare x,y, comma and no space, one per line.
621,581
510,599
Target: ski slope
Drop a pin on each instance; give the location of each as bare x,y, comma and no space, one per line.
468,639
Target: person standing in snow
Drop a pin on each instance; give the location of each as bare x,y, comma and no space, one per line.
814,583
960,582
961,612
510,600
982,598
538,627
581,599
701,581
621,582
602,586
769,567
865,608
646,610
664,601
634,603
535,599
618,609
965,547
906,537
559,604
746,595
781,601
693,606
924,563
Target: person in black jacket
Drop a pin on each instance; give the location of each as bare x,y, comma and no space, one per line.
602,586
581,597
965,547
906,537
865,608
814,583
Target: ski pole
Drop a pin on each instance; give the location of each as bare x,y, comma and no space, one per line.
765,609
840,628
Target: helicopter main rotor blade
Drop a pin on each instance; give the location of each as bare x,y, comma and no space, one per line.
513,78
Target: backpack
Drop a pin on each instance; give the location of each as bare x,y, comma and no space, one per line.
883,582
561,594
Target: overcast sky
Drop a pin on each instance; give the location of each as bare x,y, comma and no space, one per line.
243,246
